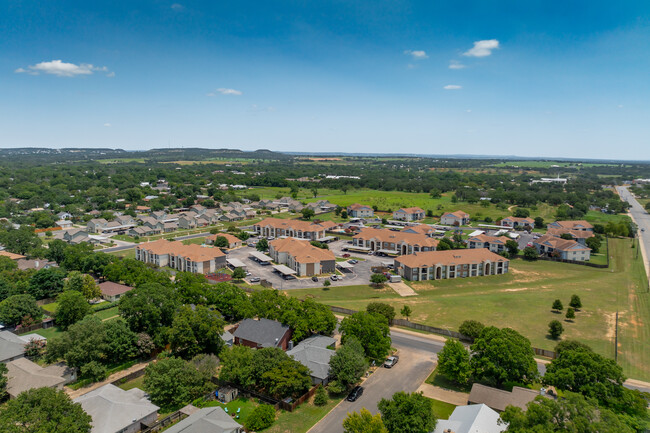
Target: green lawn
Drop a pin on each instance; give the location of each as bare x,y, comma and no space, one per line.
125,254
303,418
138,382
441,381
108,313
442,410
197,241
50,332
522,300
245,405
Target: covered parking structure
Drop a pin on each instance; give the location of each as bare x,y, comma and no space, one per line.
260,257
236,263
345,266
285,271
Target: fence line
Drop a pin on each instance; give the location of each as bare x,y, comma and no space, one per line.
165,422
434,330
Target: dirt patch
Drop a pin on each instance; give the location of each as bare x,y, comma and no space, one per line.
521,289
611,325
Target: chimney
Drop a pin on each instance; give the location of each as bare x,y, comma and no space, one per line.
290,344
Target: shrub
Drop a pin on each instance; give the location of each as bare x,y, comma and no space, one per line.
94,371
321,397
555,329
260,418
471,328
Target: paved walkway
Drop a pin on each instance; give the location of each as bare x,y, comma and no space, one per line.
74,393
402,289
452,397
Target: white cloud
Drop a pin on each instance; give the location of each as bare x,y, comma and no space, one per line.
108,125
482,48
452,87
224,91
417,54
110,74
455,64
62,69
619,106
177,7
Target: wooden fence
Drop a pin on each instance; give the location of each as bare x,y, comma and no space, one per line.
165,422
294,404
128,377
434,330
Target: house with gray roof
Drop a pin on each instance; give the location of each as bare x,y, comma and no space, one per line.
315,354
471,419
11,346
23,375
499,399
207,420
114,410
262,333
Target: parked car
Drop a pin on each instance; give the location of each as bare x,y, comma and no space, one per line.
265,263
334,277
346,255
314,279
391,361
254,279
355,393
353,261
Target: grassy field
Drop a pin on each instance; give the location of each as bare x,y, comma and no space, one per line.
303,418
547,164
125,254
138,382
442,410
522,300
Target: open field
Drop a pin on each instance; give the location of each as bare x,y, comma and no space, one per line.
548,164
125,254
522,300
120,160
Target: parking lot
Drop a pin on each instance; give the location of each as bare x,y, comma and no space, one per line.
360,274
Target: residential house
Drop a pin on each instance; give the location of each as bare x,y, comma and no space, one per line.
437,265
159,215
64,215
12,256
393,242
140,231
424,229
496,244
233,241
142,209
579,236
458,218
475,418
276,227
207,420
499,399
360,211
25,264
321,206
23,375
187,222
301,256
262,333
114,410
170,227
74,236
517,223
64,224
315,353
565,249
409,214
581,225
188,258
125,220
11,346
199,209
96,225
113,291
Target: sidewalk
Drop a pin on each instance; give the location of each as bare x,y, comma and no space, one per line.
74,393
402,289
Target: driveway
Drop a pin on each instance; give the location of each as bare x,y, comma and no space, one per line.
411,371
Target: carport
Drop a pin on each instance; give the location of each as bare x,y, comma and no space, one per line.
236,263
326,239
356,248
284,270
260,257
345,266
391,252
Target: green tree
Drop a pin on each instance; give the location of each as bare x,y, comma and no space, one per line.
349,363
326,283
172,382
18,307
471,328
386,310
149,308
3,381
503,355
121,342
289,378
371,330
539,222
320,399
307,213
570,314
513,248
453,361
557,305
406,311
407,413
262,245
555,329
530,253
344,214
571,413
363,422
221,242
262,417
20,241
594,243
575,302
378,279
44,410
239,274
237,366
196,331
46,283
82,283
72,306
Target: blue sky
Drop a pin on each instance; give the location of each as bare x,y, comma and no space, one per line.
528,78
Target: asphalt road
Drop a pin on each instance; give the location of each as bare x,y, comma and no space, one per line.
641,218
